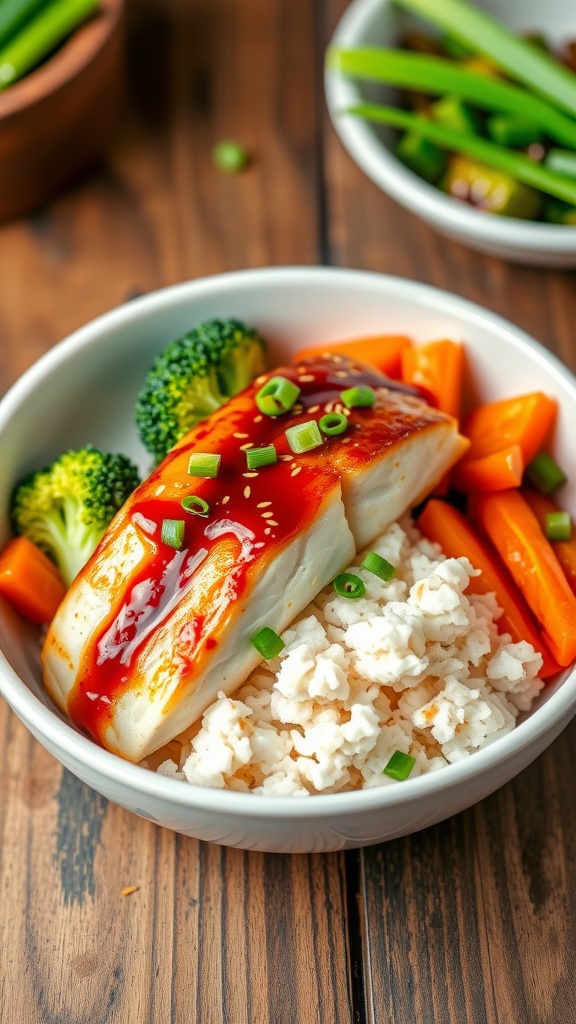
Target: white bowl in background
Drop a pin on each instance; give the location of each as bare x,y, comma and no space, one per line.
380,23
84,390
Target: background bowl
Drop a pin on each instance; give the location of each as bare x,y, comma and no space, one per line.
84,390
55,122
379,23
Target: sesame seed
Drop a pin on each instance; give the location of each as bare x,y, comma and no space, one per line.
260,544
267,532
160,489
240,435
337,359
329,407
247,491
340,373
245,447
286,458
226,499
260,380
306,377
249,474
297,409
258,419
345,440
272,523
266,515
263,504
314,408
339,408
347,412
296,470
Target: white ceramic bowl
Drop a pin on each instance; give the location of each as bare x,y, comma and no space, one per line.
84,390
380,23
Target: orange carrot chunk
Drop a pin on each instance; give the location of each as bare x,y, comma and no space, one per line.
496,472
29,581
438,367
446,526
382,351
525,421
514,530
565,550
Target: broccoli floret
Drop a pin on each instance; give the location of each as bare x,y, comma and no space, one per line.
193,377
65,508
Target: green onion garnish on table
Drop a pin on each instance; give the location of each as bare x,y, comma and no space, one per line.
545,474
258,457
173,532
361,397
558,526
399,766
303,437
267,643
333,424
38,37
197,506
347,584
277,396
204,464
381,567
515,164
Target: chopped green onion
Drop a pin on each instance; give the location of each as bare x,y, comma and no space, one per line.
399,766
358,398
508,130
562,161
258,457
379,566
303,437
333,423
173,532
438,76
488,36
204,465
277,396
347,584
558,526
545,474
230,156
198,507
516,164
422,157
267,643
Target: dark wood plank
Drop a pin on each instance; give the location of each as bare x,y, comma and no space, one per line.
210,935
471,920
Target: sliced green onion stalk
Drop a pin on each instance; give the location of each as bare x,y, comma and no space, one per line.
399,766
439,76
258,457
267,643
484,34
558,526
515,164
561,161
173,532
303,437
347,584
230,156
545,474
381,567
204,464
40,36
361,397
15,13
333,424
197,506
277,396
508,130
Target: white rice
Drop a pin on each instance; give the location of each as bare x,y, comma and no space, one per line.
415,665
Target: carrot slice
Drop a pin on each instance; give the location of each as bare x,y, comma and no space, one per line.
29,581
438,367
525,421
446,526
496,472
384,352
514,530
565,550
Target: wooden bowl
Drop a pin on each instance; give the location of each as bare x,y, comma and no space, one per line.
56,121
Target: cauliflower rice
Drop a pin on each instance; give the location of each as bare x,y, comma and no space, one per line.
415,665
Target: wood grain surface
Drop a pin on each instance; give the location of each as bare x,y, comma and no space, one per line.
471,921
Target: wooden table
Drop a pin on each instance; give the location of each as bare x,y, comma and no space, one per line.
469,922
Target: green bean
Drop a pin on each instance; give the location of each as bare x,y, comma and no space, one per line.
15,13
438,76
484,34
39,37
515,164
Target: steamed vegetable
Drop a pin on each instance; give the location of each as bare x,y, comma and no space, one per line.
382,351
193,377
525,420
490,190
495,472
29,581
437,367
565,551
65,508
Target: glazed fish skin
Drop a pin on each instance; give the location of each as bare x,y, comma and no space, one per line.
147,635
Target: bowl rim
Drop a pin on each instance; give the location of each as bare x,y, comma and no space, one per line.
417,195
77,53
62,736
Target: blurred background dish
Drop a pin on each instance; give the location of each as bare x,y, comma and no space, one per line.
372,146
